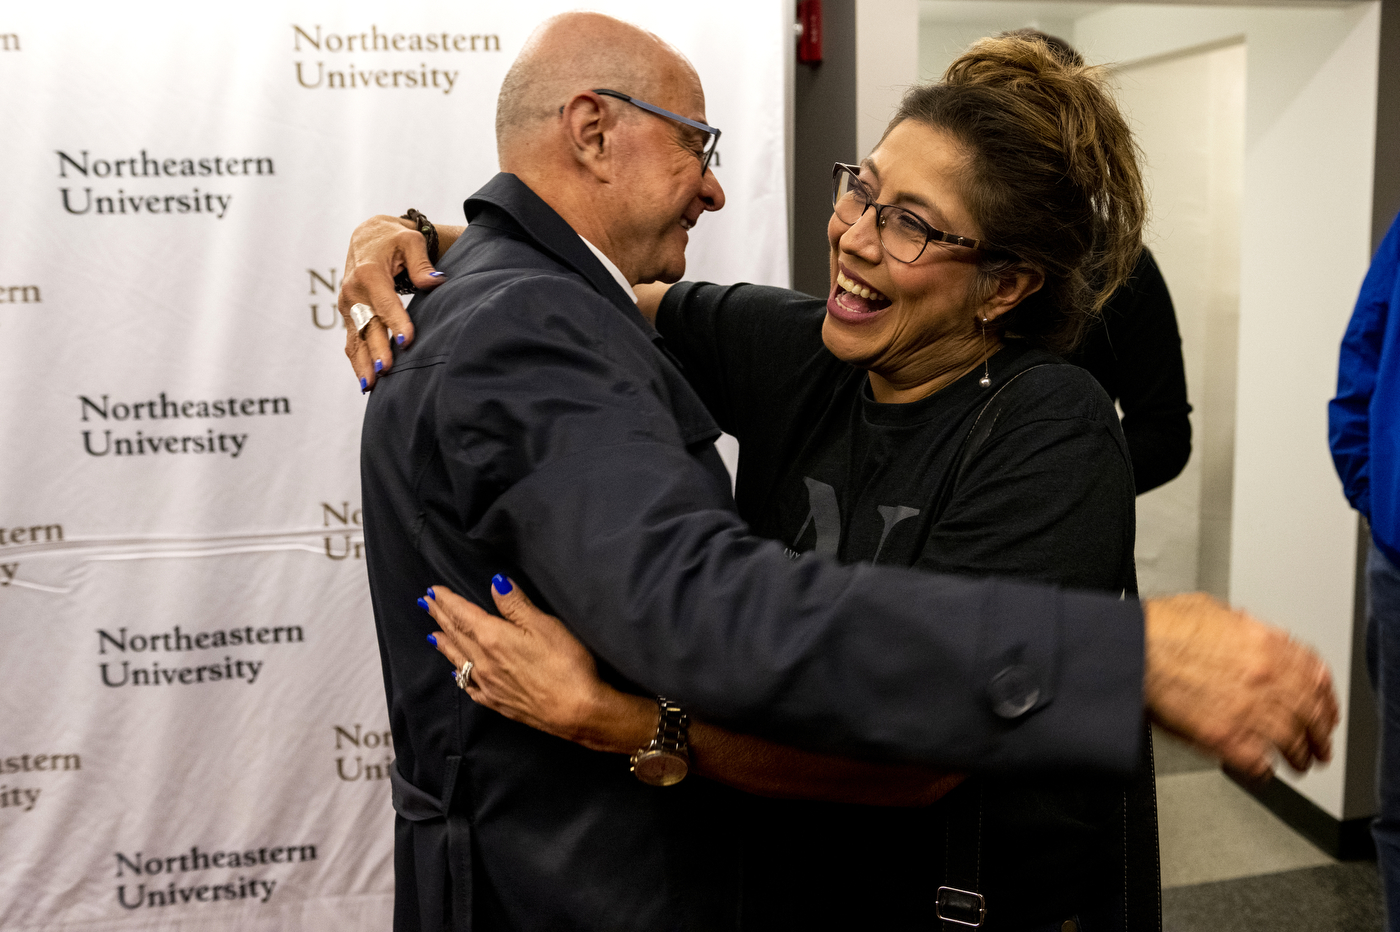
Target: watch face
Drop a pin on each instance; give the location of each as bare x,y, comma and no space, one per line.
661,768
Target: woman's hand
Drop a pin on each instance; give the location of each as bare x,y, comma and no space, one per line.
528,667
380,248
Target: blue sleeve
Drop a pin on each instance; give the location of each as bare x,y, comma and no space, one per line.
616,523
1348,414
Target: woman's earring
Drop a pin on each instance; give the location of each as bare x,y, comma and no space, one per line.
986,380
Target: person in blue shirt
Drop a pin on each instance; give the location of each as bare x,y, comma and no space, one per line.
1364,434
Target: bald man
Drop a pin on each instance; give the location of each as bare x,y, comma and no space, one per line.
536,427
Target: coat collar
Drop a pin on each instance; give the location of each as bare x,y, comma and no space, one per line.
540,223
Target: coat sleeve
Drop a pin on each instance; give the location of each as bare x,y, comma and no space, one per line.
1348,414
614,520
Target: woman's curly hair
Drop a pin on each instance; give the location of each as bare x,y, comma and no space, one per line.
1052,177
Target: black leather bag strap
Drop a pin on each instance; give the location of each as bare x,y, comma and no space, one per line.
960,904
977,435
1142,861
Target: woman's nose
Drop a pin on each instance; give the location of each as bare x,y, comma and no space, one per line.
862,238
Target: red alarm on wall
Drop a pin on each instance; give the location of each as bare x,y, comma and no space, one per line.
809,39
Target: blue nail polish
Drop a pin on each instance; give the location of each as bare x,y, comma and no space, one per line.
423,603
501,583
378,367
453,674
399,339
364,386
431,594
435,274
432,640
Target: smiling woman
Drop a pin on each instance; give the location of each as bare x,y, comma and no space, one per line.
901,304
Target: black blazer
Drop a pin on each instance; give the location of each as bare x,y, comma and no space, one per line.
538,427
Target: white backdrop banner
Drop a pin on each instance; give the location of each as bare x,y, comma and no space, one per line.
193,731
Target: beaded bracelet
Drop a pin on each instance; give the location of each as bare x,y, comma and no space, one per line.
402,283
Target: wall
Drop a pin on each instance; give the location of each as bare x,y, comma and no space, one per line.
887,63
1187,111
1305,242
941,40
825,119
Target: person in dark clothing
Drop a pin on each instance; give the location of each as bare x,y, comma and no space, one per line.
537,427
1134,351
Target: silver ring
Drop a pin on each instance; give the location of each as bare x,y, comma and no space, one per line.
361,314
464,674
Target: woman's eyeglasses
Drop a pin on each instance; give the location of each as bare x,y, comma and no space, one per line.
903,235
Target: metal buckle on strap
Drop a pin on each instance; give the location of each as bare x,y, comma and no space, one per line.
961,906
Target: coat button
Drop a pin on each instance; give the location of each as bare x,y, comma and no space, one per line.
1013,691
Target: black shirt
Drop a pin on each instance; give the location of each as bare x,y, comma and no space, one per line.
1134,350
824,467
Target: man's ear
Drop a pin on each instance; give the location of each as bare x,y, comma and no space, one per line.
590,126
1014,285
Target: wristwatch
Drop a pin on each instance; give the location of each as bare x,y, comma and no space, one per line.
665,761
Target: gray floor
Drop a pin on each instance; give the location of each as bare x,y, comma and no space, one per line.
1228,865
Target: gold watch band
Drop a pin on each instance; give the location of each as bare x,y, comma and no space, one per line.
666,760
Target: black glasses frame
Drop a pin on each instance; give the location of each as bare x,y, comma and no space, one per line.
706,153
882,213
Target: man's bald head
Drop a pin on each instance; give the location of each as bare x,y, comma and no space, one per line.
575,52
630,182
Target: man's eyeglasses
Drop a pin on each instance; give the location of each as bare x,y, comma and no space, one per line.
903,235
706,152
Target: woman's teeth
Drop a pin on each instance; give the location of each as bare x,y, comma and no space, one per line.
868,294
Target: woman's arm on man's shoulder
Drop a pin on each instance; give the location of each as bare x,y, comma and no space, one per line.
381,248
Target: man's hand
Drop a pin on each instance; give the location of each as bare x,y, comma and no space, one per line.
1234,687
380,248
